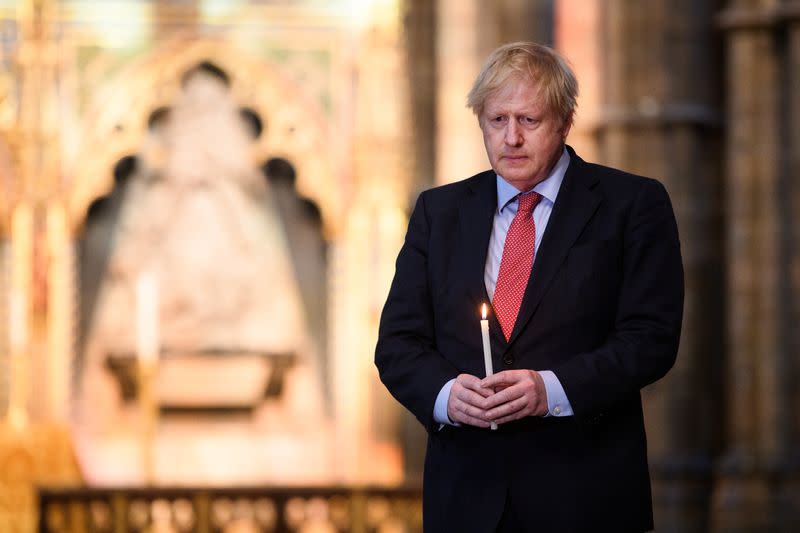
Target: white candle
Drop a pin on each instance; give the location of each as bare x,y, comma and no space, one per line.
487,348
147,318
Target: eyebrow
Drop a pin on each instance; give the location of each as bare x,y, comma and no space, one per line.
527,112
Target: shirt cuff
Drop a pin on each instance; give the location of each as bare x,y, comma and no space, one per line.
440,407
557,401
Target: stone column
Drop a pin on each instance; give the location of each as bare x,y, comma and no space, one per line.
419,33
459,146
504,21
791,173
8,186
61,314
38,68
467,31
659,117
574,20
5,315
757,488
789,501
168,17
21,341
362,257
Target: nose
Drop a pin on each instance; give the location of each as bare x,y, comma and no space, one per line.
513,134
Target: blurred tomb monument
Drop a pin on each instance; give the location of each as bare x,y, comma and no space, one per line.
241,372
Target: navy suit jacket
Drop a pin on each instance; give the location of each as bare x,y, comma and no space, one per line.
602,309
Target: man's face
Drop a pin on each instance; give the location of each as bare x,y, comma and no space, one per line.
523,140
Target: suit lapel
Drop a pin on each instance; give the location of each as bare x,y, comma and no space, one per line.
476,216
575,205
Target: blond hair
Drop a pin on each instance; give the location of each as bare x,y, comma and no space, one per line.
538,64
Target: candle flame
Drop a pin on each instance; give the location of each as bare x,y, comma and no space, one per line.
483,312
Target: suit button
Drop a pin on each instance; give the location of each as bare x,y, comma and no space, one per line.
508,359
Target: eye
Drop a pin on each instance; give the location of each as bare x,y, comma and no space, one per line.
529,121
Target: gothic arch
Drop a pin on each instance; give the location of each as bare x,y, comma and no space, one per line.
116,121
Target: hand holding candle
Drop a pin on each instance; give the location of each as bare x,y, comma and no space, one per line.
487,349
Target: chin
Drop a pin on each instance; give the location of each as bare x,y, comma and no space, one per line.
516,178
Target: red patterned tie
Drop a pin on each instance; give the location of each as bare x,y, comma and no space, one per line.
516,264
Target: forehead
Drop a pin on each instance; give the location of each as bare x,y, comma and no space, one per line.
515,95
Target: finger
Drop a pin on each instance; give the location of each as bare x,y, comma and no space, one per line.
505,378
511,408
468,414
474,384
472,389
504,396
465,405
527,410
481,391
467,378
485,392
512,417
472,421
471,398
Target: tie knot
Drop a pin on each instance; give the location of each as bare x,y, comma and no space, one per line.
528,201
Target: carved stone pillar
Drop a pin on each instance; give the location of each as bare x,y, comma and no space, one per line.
758,480
8,184
575,19
5,311
791,173
363,255
515,20
788,500
21,340
37,147
171,16
467,31
419,32
459,57
420,45
659,117
61,313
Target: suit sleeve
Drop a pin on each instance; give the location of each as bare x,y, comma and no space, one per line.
406,356
643,344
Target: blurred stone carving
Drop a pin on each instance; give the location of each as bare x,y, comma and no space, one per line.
197,220
196,214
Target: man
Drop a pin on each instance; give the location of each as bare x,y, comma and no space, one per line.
581,264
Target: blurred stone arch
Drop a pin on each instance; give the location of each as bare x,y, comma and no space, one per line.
297,127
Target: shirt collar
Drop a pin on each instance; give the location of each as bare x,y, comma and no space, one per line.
548,187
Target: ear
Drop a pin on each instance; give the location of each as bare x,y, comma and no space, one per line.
567,125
